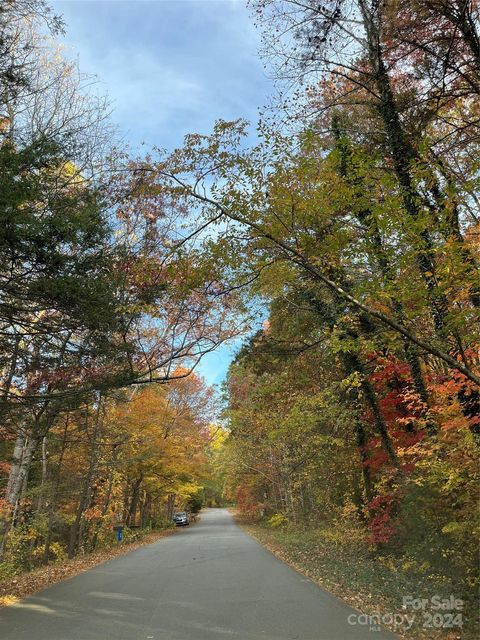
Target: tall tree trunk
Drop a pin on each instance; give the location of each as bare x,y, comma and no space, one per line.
77,528
368,221
145,517
55,491
17,485
361,442
132,509
403,154
108,495
11,493
353,363
43,478
170,506
41,490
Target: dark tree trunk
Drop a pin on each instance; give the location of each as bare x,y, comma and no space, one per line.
77,529
132,509
54,497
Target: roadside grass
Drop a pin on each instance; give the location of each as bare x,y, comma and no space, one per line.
19,584
374,584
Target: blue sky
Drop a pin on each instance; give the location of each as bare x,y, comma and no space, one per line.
170,67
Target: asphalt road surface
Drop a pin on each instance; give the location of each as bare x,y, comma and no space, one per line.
210,581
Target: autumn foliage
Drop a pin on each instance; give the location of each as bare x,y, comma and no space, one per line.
343,244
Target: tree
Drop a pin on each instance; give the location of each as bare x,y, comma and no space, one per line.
92,298
240,194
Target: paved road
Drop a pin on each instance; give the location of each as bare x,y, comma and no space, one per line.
208,582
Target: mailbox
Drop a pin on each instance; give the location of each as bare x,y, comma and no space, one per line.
119,529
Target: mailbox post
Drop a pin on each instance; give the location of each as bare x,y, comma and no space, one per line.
119,529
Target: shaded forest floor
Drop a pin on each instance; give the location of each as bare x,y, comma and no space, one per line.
372,584
26,583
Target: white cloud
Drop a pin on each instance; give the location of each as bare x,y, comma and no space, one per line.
169,67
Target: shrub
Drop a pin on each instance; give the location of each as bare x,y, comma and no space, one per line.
277,520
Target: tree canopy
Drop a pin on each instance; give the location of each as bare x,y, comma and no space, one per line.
343,245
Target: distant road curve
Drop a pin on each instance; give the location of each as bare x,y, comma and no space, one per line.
208,582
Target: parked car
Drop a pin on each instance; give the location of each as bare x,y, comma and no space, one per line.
181,518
